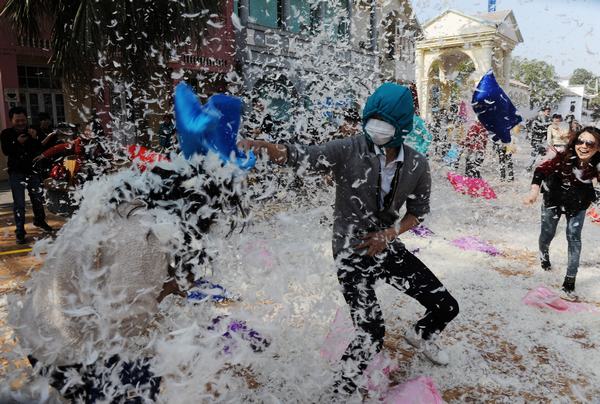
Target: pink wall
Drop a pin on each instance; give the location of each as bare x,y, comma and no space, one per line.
10,55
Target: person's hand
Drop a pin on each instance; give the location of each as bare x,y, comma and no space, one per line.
248,144
38,158
375,242
22,138
32,132
530,199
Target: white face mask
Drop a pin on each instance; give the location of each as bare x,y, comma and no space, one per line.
380,132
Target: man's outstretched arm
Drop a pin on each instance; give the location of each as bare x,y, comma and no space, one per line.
277,153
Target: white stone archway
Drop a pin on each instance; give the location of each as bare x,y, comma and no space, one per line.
487,39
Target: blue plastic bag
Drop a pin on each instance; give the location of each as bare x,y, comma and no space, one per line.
494,109
211,127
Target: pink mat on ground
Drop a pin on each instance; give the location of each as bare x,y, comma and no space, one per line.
476,244
544,297
475,187
420,390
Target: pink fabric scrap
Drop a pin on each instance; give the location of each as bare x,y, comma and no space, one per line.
476,244
339,337
543,297
475,187
420,390
594,215
341,333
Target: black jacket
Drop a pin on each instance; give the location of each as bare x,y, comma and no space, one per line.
566,192
19,155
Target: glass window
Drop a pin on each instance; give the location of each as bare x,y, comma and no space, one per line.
48,104
336,15
265,12
60,108
299,20
34,107
343,28
37,77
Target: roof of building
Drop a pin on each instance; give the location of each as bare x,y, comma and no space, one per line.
504,22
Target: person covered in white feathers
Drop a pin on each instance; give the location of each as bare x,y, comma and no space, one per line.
87,318
376,174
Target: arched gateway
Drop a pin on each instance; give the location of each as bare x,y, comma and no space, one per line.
458,49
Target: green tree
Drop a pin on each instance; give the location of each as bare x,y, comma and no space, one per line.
125,43
581,76
540,77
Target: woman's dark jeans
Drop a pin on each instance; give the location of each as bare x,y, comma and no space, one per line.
550,217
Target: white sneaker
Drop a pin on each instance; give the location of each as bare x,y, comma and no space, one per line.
435,353
413,338
430,349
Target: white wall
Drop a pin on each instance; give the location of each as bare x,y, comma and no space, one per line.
565,105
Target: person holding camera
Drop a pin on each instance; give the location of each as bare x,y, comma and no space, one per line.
21,144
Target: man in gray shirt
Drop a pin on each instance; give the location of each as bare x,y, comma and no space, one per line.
375,176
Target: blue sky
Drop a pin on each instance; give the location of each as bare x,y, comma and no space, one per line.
564,33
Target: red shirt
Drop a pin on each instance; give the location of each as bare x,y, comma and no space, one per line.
476,138
66,149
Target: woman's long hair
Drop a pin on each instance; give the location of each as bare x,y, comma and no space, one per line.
568,160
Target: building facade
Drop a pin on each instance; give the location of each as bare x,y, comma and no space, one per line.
299,55
457,50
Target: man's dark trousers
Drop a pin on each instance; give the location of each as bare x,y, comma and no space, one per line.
18,183
357,275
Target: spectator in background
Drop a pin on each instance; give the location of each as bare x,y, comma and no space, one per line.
166,132
505,152
474,146
539,134
45,131
48,138
21,144
557,136
260,125
571,115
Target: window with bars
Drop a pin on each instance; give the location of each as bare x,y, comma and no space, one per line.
37,77
40,91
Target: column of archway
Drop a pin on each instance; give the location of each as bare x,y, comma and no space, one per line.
482,56
425,60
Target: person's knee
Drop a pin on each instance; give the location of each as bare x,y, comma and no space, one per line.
448,308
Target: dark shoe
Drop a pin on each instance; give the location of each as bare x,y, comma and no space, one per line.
568,285
44,226
21,238
546,266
